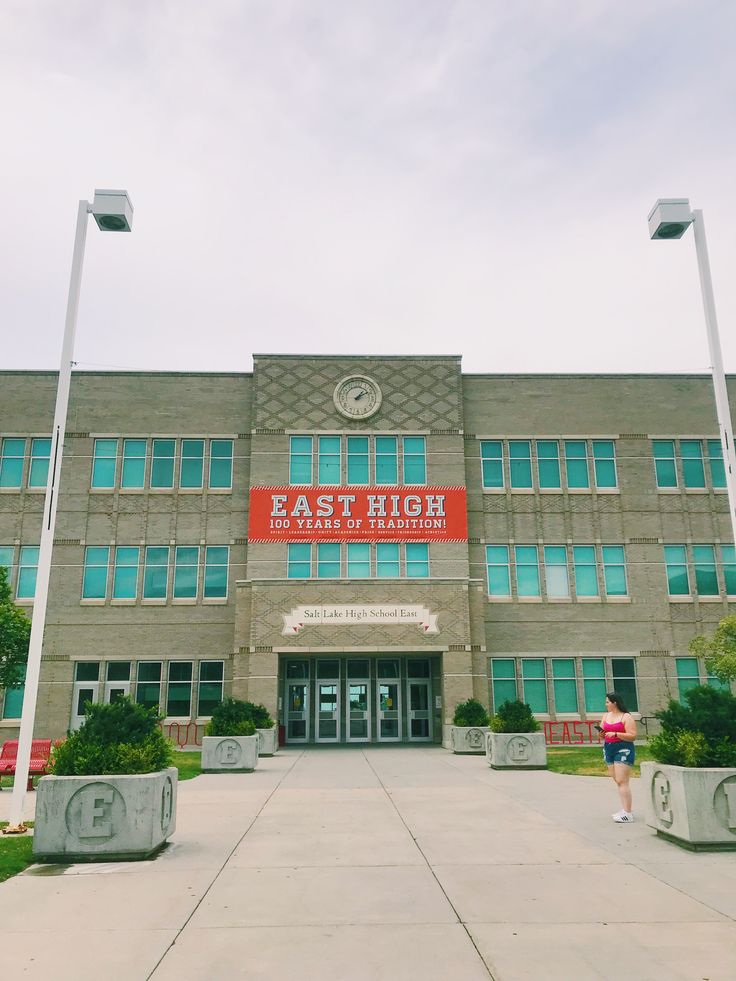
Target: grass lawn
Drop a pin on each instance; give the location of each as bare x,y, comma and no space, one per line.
587,761
16,853
188,764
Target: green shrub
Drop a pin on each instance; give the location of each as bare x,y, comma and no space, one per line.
119,738
232,718
700,733
470,713
514,716
260,716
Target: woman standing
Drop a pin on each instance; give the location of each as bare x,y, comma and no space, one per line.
619,729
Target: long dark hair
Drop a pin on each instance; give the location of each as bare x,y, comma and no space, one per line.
613,696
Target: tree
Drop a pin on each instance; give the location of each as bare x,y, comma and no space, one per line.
718,651
15,632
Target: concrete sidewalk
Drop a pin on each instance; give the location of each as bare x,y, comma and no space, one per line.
388,863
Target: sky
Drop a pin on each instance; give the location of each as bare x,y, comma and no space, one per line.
367,177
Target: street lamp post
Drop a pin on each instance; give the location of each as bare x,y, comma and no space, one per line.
113,212
669,219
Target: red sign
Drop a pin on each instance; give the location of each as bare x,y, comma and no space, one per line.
571,733
358,514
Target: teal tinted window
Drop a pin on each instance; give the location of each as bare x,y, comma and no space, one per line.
11,462
534,683
191,474
527,570
148,687
125,578
162,465
328,560
94,584
221,464
104,461
548,464
497,565
604,463
27,571
328,468
586,574
387,560
693,471
359,560
39,470
624,681
211,681
13,698
520,463
156,572
491,459
503,681
576,464
216,559
299,561
728,558
594,684
417,560
186,571
133,475
87,671
387,466
614,570
688,675
715,459
179,695
664,462
415,464
675,559
358,472
706,579
555,572
564,684
300,460
6,559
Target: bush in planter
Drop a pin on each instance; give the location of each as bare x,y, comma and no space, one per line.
699,734
470,713
232,718
260,716
514,716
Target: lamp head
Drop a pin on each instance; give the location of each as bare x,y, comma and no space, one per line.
112,210
669,218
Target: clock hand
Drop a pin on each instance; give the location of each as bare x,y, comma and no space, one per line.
360,395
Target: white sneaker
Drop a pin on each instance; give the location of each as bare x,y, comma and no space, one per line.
617,815
625,817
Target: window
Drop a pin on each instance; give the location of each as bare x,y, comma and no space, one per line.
534,684
491,457
216,559
148,688
594,684
6,559
104,461
94,583
358,472
27,571
555,567
191,473
415,465
614,570
576,464
387,560
693,471
387,466
688,675
39,470
715,459
604,464
728,558
417,560
527,570
299,561
503,681
13,698
186,571
328,560
11,462
125,576
675,559
359,560
520,463
162,467
706,579
211,681
179,694
328,460
624,681
548,464
156,572
300,460
564,684
133,476
586,575
221,464
497,567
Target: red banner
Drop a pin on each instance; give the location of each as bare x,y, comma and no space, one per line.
358,514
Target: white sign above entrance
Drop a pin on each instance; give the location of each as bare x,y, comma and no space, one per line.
343,616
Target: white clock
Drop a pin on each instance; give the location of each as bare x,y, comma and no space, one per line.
357,397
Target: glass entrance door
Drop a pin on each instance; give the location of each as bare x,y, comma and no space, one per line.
420,711
86,689
297,711
327,702
358,708
389,711
117,684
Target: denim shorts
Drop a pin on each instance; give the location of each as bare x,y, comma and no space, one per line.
619,752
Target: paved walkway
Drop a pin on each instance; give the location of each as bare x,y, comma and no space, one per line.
383,865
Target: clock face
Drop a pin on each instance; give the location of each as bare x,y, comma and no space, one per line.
357,397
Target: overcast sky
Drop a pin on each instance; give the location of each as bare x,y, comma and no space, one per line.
368,176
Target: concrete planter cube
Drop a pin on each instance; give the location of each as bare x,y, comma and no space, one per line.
516,751
229,754
268,741
693,807
110,818
468,739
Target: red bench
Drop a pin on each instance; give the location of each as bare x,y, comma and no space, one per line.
40,753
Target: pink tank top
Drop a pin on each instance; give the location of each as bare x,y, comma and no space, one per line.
612,728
